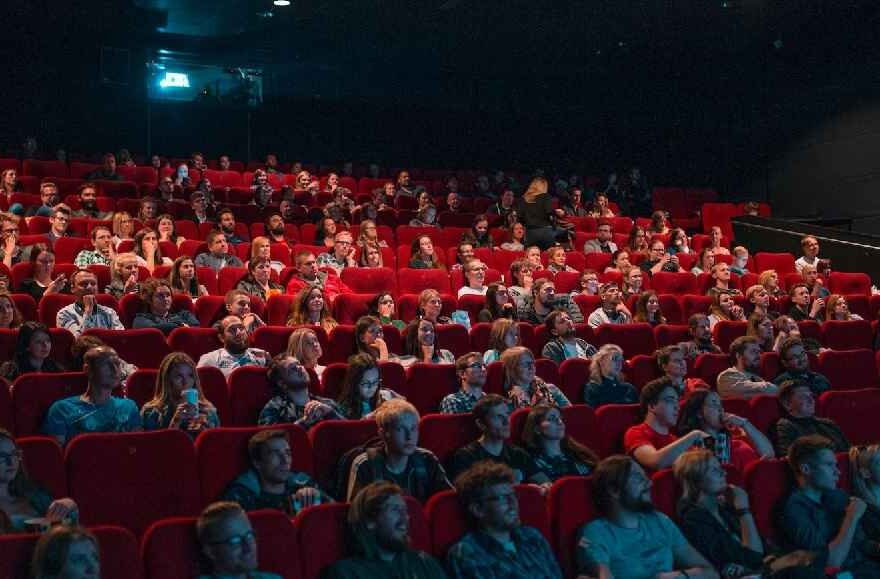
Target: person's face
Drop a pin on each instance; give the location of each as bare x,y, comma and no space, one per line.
765,328
526,368
232,546
715,480
432,307
165,226
603,233
304,180
725,301
49,196
161,302
547,294
811,247
371,334
403,436
501,295
386,306
653,304
773,280
40,346
576,197
85,284
822,472
677,366
181,377
511,337
10,460
482,227
716,235
150,242
610,295
286,208
262,249
370,230
426,333
426,246
6,312
262,271
220,246
475,373
88,197
708,261
801,297
636,493
82,561
666,409
128,268
373,256
722,272
315,302
227,222
369,384
519,231
796,359
563,326
10,229
558,258
391,527
311,347
308,267
533,256
235,336
389,192
148,210
476,273
273,463
622,261
271,161
465,252
612,365
602,203
224,163
403,178
329,228
496,425
552,426
108,371
657,251
507,198
841,309
452,200
810,275
342,244
110,163
751,357
713,412
701,330
590,281
187,269
262,177
9,177
198,204
761,298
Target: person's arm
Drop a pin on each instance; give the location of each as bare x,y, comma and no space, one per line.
760,443
737,384
595,320
71,321
689,562
840,545
574,312
660,458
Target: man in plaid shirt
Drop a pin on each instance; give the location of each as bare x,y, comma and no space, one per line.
472,372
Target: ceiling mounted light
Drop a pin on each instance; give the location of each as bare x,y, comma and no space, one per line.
281,2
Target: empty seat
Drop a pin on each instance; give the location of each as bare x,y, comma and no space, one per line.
679,283
194,341
726,331
570,507
44,462
783,263
632,338
145,348
847,335
413,281
443,434
574,373
278,309
849,283
33,394
764,411
855,411
427,384
848,369
453,337
708,366
694,304
668,334
767,483
348,308
370,280
331,439
156,469
249,391
613,420
642,369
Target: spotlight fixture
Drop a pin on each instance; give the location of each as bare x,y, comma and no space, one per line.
281,2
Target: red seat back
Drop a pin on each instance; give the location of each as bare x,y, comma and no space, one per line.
708,366
413,281
642,369
679,283
668,334
348,308
848,369
849,283
427,384
194,341
33,394
370,281
145,348
249,391
632,338
783,263
443,434
850,335
767,482
855,411
570,507
44,463
574,374
613,421
725,332
331,439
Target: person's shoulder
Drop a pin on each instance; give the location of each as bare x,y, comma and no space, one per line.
529,534
465,548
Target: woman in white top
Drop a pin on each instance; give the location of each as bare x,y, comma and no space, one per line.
724,308
516,238
475,273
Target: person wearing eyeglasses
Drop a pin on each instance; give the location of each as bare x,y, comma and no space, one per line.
343,254
10,251
369,339
794,358
471,372
544,300
59,221
497,545
362,392
228,542
475,273
48,197
659,260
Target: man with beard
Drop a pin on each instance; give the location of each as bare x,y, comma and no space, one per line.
742,380
226,223
307,275
796,362
228,542
631,539
292,401
701,338
498,546
564,344
274,226
287,210
86,312
544,300
378,521
270,483
107,171
88,202
612,310
235,352
653,443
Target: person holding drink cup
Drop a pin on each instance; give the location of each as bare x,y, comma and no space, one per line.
178,401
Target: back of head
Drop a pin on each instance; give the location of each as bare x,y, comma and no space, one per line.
472,484
388,414
609,479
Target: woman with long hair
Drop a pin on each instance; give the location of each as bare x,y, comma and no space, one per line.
426,213
369,234
606,385
10,315
178,401
258,281
42,281
310,309
705,262
761,328
261,247
423,254
516,238
724,308
864,468
535,211
123,227
325,233
498,304
167,231
421,345
146,247
619,262
678,241
648,309
304,345
33,349
837,308
600,207
522,384
369,339
261,189
479,233
382,307
183,278
370,256
637,242
521,280
633,283
556,454
362,391
9,183
504,334
431,307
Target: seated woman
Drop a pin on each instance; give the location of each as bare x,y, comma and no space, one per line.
715,239
258,281
770,280
523,386
146,247
475,276
10,316
836,308
371,256
325,233
382,307
426,214
556,259
606,385
637,243
362,391
498,304
724,308
369,234
430,306
479,236
705,263
761,328
504,334
864,467
20,498
304,345
123,227
659,223
600,207
178,401
760,300
310,309
633,283
619,262
182,278
648,309
42,281
421,346
423,255
167,231
262,247
678,242
516,238
157,297
736,441
66,551
33,349
556,454
521,277
123,275
369,339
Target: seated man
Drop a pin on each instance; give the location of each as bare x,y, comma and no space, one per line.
701,338
97,410
796,362
218,255
235,352
342,255
673,364
86,312
631,539
740,260
403,187
226,223
88,202
399,460
798,403
199,208
742,380
463,254
11,252
471,372
612,310
275,230
269,483
801,308
378,521
818,516
602,243
492,416
652,443
228,542
497,545
59,222
308,275
810,250
721,279
238,303
49,198
475,276
544,300
563,343
292,401
107,171
103,252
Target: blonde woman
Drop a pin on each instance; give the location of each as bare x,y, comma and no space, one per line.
606,385
123,227
535,211
304,345
837,309
261,247
524,387
723,308
123,275
770,280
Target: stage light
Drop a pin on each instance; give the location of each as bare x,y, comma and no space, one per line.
281,2
174,80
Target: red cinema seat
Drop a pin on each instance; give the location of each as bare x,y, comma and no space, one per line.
221,455
26,305
443,434
849,283
613,420
694,304
8,338
413,281
670,305
348,308
708,366
472,304
36,168
105,471
141,175
145,348
331,439
669,334
767,482
783,263
340,344
67,248
570,507
370,280
678,283
725,332
7,410
848,369
427,384
479,336
194,341
44,463
332,379
642,369
33,394
763,412
228,278
453,337
771,366
278,309
849,335
860,304
567,281
249,391
855,411
574,373
587,304
221,179
632,338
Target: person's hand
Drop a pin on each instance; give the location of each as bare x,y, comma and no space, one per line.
9,244
520,395
733,571
308,497
57,284
818,306
736,312
559,212
696,437
382,346
203,291
315,410
130,283
60,509
817,288
88,305
856,507
673,259
736,497
183,412
733,421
